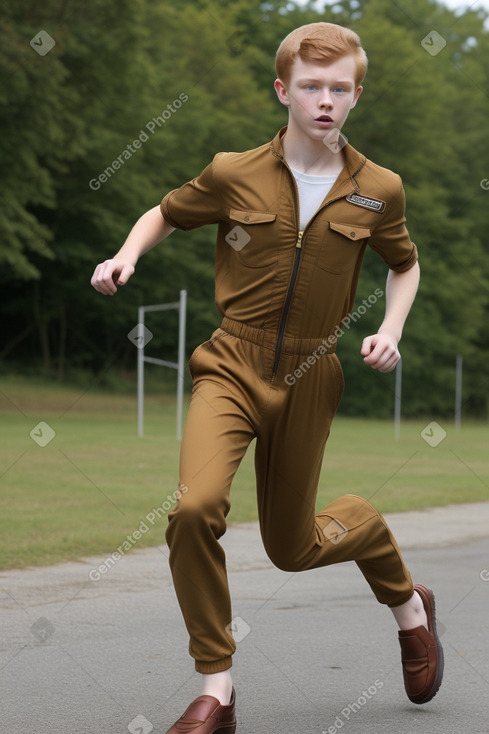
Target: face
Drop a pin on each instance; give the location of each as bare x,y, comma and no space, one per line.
319,96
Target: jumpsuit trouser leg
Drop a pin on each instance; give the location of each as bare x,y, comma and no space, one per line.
234,399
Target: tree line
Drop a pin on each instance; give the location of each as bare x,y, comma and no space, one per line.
135,97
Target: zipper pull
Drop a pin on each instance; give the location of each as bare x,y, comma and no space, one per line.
299,239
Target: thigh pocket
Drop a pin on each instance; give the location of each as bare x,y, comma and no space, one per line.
342,516
332,529
341,247
253,237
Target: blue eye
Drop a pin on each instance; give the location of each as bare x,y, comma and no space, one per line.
338,90
311,86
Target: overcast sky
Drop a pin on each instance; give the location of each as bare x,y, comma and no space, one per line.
453,4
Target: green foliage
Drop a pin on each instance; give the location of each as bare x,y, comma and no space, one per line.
74,181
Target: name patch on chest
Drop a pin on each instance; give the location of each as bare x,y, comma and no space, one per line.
374,204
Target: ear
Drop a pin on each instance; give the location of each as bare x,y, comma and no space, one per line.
281,92
355,98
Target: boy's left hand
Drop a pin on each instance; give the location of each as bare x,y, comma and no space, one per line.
380,352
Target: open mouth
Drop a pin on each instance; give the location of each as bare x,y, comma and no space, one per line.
324,118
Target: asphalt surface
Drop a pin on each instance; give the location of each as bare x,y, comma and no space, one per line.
316,654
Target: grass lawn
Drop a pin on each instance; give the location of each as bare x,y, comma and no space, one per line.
95,482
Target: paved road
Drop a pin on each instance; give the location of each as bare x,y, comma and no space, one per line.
316,653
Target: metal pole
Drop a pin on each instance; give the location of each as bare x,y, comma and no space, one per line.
181,360
141,370
458,391
397,401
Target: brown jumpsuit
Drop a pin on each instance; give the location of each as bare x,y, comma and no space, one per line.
282,294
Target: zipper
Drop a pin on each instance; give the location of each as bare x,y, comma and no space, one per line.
295,271
293,277
288,300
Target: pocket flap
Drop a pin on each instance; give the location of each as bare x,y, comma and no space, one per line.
352,231
247,217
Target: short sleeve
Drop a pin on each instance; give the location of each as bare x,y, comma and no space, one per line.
196,203
391,238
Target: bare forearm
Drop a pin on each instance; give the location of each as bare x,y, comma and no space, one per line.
401,290
149,230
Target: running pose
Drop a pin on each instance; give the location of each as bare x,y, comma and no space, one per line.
295,216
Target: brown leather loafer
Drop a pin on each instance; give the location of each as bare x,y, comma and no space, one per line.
206,715
422,654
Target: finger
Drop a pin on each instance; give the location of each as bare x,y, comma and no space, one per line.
387,362
95,282
101,284
391,363
103,278
378,356
367,346
110,275
124,275
375,355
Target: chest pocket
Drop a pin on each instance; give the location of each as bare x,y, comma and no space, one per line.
253,237
341,247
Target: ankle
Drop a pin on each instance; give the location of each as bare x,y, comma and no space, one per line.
412,614
219,685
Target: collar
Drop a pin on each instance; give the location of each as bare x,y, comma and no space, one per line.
355,161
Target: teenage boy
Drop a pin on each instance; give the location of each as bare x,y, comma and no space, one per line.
295,216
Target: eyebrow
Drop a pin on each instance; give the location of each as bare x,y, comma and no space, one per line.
311,79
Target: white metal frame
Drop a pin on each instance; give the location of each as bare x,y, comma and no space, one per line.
458,396
181,305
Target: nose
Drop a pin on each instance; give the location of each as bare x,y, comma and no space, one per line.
326,101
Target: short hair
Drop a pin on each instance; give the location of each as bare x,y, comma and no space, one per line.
322,43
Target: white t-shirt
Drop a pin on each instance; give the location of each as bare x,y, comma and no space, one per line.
312,192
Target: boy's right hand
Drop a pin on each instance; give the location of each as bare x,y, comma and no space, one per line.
111,273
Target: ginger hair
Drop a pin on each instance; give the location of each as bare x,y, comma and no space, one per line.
321,43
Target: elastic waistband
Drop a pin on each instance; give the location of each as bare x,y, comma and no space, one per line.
268,339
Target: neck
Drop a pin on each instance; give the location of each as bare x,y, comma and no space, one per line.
310,156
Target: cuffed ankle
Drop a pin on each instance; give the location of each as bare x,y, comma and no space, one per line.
217,666
405,598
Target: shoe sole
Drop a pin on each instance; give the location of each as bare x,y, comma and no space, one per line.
428,599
